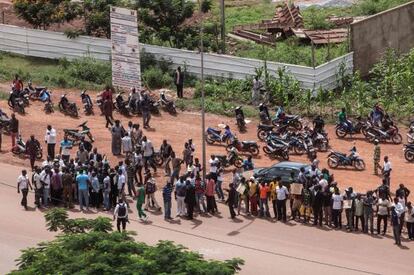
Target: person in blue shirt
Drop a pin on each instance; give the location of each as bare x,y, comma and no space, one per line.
166,194
65,146
83,190
248,164
227,133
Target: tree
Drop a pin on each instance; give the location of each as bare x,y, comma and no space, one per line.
96,15
164,18
42,13
89,247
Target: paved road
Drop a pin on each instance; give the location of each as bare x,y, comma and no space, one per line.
265,245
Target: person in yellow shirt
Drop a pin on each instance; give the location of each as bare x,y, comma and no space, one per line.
253,190
273,185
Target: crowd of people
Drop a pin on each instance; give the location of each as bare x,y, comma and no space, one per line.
81,174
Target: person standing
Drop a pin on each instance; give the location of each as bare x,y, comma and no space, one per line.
127,145
67,182
106,191
281,195
23,184
359,212
95,191
253,191
395,222
82,155
377,157
14,129
146,111
210,187
166,195
190,199
148,154
337,202
231,200
140,201
50,140
382,213
64,151
117,133
151,188
131,177
409,220
37,186
402,191
83,187
180,192
107,106
179,82
349,196
45,177
386,171
264,206
369,201
56,187
165,151
121,215
317,203
257,85
32,146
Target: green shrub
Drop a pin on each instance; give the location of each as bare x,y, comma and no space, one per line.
90,69
206,6
155,78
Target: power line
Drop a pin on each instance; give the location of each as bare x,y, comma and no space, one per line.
236,244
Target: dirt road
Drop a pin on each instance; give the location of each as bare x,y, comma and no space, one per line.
266,246
178,129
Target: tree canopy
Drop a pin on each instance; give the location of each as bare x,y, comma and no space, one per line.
88,246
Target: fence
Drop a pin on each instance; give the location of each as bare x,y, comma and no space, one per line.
55,45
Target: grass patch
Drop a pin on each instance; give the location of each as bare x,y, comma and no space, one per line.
85,73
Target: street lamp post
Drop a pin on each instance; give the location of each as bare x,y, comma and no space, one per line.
202,100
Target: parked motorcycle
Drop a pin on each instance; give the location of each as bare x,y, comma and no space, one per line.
49,108
167,105
87,103
68,108
244,146
20,149
409,152
289,121
75,135
37,93
231,159
320,140
309,147
276,149
374,133
410,133
121,105
357,128
263,130
336,159
214,136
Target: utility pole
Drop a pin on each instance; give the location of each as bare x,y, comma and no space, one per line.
203,135
223,27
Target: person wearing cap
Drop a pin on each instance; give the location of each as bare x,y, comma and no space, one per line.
377,157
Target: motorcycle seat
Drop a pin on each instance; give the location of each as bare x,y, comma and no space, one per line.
70,130
214,130
266,127
248,142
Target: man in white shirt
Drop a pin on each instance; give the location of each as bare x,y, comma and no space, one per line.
121,215
281,195
383,212
127,145
50,139
38,186
45,180
148,153
386,170
23,184
121,186
213,167
337,202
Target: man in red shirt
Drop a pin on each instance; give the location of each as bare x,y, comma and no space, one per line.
210,187
17,83
263,191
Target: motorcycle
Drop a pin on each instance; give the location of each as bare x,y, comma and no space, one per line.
309,147
289,121
360,126
320,140
374,133
17,102
20,149
244,146
75,135
231,159
409,152
35,93
214,136
168,105
87,103
336,159
276,149
121,105
68,108
49,108
263,131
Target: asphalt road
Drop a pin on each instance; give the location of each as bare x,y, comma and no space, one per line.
266,246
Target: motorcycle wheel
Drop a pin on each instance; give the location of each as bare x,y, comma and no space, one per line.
299,150
359,164
322,146
158,160
285,155
332,163
229,147
209,140
396,139
266,150
261,135
297,125
340,132
409,155
410,138
238,162
254,150
15,150
39,154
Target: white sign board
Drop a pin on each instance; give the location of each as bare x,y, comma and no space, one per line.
126,71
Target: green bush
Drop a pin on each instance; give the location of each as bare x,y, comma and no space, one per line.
155,78
91,70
